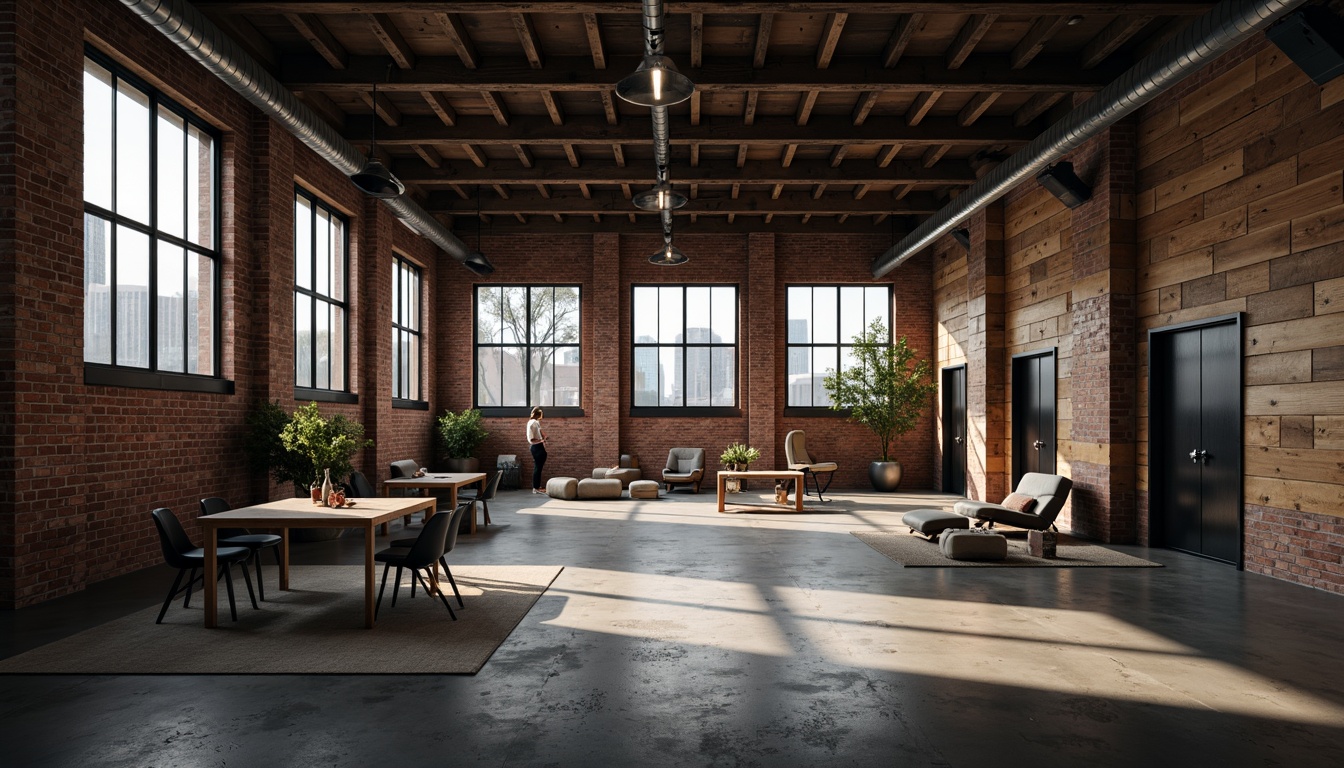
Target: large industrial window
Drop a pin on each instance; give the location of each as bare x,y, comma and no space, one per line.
151,237
527,349
321,315
822,322
405,330
685,350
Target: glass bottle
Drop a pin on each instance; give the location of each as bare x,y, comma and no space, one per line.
326,486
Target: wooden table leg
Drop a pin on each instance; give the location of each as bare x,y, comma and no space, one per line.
284,559
721,492
386,526
798,494
211,580
368,577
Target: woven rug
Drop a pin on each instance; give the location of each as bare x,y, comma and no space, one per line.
315,628
914,551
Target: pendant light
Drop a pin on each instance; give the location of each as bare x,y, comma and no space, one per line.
374,179
660,197
669,255
476,261
655,83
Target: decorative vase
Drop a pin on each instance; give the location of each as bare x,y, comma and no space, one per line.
885,475
326,487
315,492
732,484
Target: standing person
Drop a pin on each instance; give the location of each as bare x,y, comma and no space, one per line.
537,439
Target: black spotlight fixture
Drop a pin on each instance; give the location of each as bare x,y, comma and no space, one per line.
374,179
478,263
1064,184
962,236
1314,39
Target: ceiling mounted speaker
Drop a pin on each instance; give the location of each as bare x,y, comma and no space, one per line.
1314,39
1064,184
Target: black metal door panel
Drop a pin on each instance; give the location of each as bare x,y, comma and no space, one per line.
1220,443
954,430
1181,420
1033,414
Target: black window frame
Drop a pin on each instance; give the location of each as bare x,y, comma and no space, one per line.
416,402
309,391
826,410
683,410
151,377
510,411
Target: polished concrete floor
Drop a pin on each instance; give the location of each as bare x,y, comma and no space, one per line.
677,636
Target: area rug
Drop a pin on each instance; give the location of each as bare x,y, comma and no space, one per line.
913,551
315,628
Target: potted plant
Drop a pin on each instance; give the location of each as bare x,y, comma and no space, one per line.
886,391
737,456
460,434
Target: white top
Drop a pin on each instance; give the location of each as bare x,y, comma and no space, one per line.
534,431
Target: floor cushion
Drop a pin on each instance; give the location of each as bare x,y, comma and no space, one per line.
606,488
972,545
644,489
562,488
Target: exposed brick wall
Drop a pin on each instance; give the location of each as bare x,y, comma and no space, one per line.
1241,209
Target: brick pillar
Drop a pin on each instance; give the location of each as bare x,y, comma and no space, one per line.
986,359
604,307
1105,353
370,302
764,369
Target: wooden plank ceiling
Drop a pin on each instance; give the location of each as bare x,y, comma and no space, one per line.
806,116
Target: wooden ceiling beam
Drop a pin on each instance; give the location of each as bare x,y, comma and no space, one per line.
1035,107
525,157
749,110
252,41
830,38
704,224
323,106
786,158
573,155
920,108
697,40
1116,34
609,107
695,108
439,103
864,106
310,26
719,202
970,35
476,155
553,108
280,7
527,37
933,154
430,155
384,107
385,29
495,104
594,31
805,104
755,172
763,27
980,72
544,191
976,107
1029,47
618,153
456,32
838,155
720,131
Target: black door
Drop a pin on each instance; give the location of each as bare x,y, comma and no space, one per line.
1033,414
954,430
1195,439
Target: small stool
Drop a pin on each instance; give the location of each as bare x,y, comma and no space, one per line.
972,545
932,522
626,475
644,489
592,488
566,488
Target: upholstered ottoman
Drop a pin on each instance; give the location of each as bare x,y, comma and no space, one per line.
972,545
562,488
592,488
644,489
626,475
932,522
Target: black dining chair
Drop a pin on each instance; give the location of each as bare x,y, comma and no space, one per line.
180,553
484,495
424,553
360,487
454,526
239,537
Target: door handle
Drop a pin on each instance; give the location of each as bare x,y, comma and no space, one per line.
957,440
1196,456
1038,445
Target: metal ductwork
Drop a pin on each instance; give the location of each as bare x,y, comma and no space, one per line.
1226,25
191,31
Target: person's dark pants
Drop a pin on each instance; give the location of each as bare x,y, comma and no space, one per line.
538,461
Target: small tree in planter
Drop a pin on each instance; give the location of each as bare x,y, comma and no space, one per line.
737,457
460,434
322,444
886,391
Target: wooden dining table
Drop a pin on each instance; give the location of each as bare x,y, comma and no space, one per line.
366,514
431,480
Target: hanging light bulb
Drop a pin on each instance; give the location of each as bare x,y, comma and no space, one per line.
660,197
655,83
669,255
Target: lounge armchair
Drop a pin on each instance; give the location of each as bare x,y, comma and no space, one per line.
795,453
685,466
1047,492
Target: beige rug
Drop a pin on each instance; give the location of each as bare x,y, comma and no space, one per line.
315,628
914,551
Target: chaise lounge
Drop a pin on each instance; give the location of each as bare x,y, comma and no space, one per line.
1033,505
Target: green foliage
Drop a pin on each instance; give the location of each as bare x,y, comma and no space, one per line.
315,443
266,451
460,434
887,389
738,453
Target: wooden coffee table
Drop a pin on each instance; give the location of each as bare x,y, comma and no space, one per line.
781,474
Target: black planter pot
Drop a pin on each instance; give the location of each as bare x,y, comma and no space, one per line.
885,475
463,465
